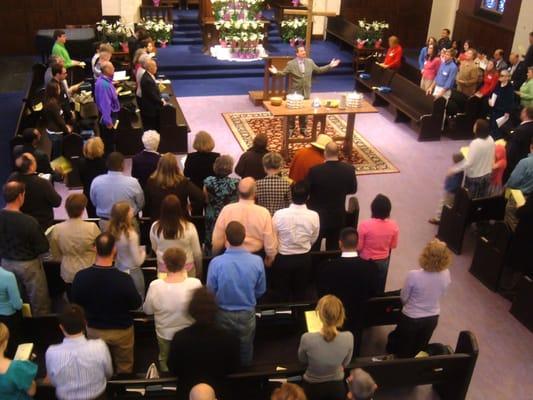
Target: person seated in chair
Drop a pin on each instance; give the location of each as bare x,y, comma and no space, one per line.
78,367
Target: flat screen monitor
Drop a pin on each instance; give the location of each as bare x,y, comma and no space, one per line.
493,6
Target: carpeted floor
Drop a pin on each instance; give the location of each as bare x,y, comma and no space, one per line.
245,126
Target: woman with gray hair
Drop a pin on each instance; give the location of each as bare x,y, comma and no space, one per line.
274,190
219,190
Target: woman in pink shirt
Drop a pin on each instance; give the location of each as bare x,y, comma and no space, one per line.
431,67
378,236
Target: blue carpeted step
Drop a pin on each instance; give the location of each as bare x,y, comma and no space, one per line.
187,34
187,41
186,27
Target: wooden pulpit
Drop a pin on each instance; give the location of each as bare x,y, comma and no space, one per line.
273,85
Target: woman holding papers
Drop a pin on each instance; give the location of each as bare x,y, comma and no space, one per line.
326,352
502,104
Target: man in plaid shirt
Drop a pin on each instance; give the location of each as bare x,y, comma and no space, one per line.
273,191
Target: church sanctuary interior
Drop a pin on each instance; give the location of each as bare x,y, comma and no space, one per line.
266,199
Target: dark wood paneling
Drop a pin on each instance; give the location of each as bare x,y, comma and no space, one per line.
487,31
21,19
408,19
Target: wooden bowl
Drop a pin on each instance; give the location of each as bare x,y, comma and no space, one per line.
276,101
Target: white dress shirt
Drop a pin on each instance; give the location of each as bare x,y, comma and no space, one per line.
297,229
480,158
79,368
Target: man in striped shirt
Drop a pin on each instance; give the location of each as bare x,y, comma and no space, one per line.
78,368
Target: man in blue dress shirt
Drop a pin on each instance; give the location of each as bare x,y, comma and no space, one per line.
237,279
445,79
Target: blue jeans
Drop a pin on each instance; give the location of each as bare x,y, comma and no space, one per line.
383,270
242,325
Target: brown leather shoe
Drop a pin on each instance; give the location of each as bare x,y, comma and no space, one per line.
434,221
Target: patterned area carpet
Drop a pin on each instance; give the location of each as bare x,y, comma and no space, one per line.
366,158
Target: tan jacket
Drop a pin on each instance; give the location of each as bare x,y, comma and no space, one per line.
469,73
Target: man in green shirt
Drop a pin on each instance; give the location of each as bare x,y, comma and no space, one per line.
59,49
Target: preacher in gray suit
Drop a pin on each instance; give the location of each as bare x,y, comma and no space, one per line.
301,71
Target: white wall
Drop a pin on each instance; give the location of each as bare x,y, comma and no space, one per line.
442,16
523,27
127,9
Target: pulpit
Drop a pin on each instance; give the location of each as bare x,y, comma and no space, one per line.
207,22
273,86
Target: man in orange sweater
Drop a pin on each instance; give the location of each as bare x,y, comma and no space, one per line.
308,157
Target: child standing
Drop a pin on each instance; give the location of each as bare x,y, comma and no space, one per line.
451,185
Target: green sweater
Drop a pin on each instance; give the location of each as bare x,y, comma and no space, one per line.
60,50
526,93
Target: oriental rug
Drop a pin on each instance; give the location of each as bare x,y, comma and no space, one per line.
365,157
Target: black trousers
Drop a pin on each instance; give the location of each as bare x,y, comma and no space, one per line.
332,238
108,136
302,120
411,335
332,390
290,277
150,122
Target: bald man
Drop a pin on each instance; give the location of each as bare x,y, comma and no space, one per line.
202,391
151,102
329,184
106,99
256,220
41,197
518,70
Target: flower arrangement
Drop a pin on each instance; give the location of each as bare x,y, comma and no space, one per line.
114,33
240,25
159,30
370,34
293,30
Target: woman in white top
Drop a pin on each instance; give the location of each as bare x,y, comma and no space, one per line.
173,230
478,162
168,299
130,255
326,353
420,296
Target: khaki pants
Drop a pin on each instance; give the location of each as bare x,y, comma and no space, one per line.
120,343
164,348
425,84
30,274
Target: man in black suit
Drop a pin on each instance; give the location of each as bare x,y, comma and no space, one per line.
350,278
518,71
329,184
143,164
151,101
518,142
528,59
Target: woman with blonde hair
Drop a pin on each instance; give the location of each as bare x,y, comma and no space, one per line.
168,179
326,353
420,296
17,377
91,165
130,255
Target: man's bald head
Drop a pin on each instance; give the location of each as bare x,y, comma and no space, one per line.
107,68
151,66
26,163
202,391
247,188
332,151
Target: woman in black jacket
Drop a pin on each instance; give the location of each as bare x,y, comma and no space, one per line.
53,118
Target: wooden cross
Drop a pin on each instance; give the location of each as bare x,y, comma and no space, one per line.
309,14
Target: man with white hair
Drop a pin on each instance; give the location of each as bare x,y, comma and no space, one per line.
361,386
151,101
202,391
145,163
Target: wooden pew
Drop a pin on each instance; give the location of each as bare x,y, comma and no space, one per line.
378,77
462,125
341,30
173,126
28,118
490,254
409,102
465,211
521,307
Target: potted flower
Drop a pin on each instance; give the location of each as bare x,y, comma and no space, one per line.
370,34
293,30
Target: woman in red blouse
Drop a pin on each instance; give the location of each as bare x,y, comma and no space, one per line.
490,80
393,58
